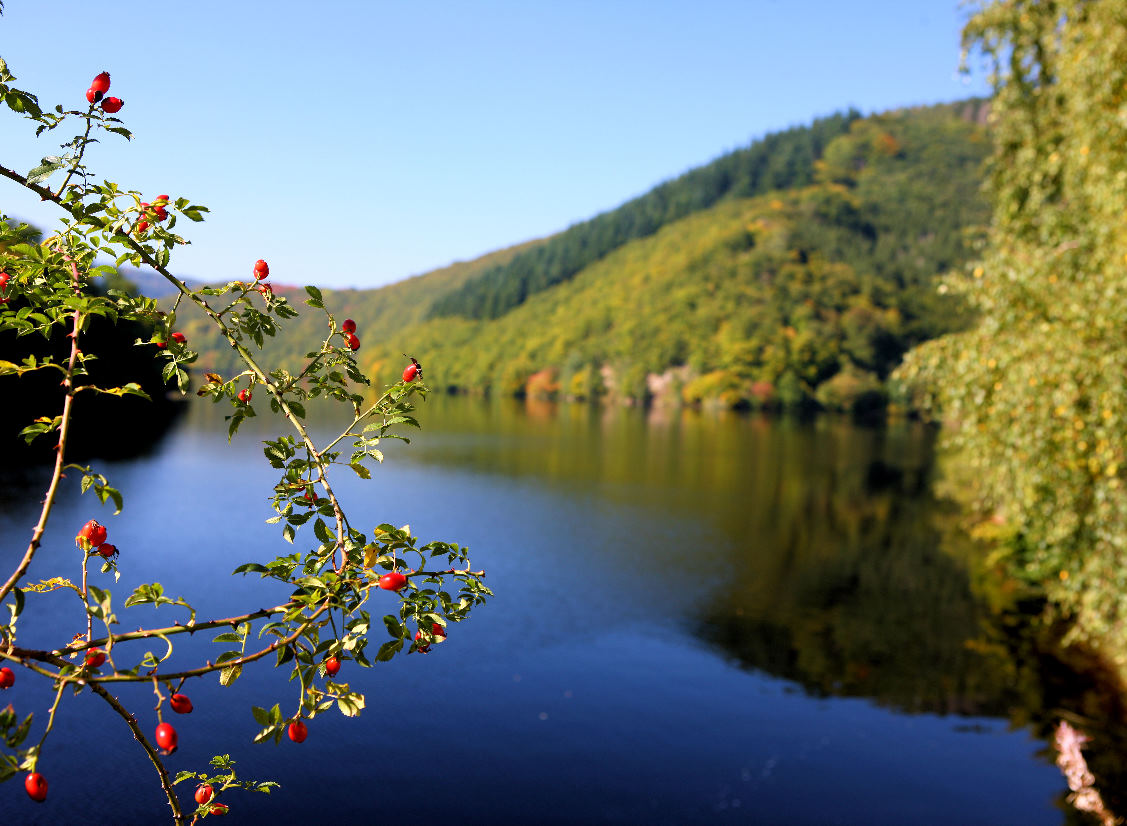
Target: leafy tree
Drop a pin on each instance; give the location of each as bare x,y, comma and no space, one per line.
1034,396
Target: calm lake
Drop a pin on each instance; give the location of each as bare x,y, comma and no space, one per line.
698,619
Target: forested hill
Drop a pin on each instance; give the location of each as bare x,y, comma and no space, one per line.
782,160
809,292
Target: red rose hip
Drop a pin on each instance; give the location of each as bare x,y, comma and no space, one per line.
101,83
353,342
203,793
219,809
298,731
180,704
7,677
332,666
261,269
393,581
90,535
349,326
436,630
95,657
36,786
167,740
112,105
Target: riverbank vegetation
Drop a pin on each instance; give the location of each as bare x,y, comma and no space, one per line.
1033,396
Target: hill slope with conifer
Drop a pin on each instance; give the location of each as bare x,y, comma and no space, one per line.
796,271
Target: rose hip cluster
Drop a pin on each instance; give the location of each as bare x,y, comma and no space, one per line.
152,213
92,537
348,328
97,94
204,793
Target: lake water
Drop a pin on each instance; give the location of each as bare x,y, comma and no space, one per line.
698,619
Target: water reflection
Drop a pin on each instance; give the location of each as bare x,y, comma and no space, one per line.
842,572
697,616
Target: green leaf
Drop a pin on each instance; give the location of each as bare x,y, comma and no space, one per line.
265,717
350,704
321,530
394,627
388,650
229,674
42,172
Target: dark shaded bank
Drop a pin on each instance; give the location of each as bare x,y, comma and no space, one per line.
103,426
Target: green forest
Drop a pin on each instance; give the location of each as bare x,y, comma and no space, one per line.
793,273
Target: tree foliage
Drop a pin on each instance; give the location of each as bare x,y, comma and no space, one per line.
1034,395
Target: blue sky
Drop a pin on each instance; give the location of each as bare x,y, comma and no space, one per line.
357,143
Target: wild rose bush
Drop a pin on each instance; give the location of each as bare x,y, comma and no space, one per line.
53,285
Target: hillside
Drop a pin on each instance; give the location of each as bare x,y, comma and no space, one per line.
386,310
806,293
781,160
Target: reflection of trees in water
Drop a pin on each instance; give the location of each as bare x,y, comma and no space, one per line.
846,576
850,585
848,595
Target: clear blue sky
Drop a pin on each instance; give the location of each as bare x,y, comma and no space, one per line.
357,143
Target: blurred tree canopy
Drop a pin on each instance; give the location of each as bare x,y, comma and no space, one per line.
1034,396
